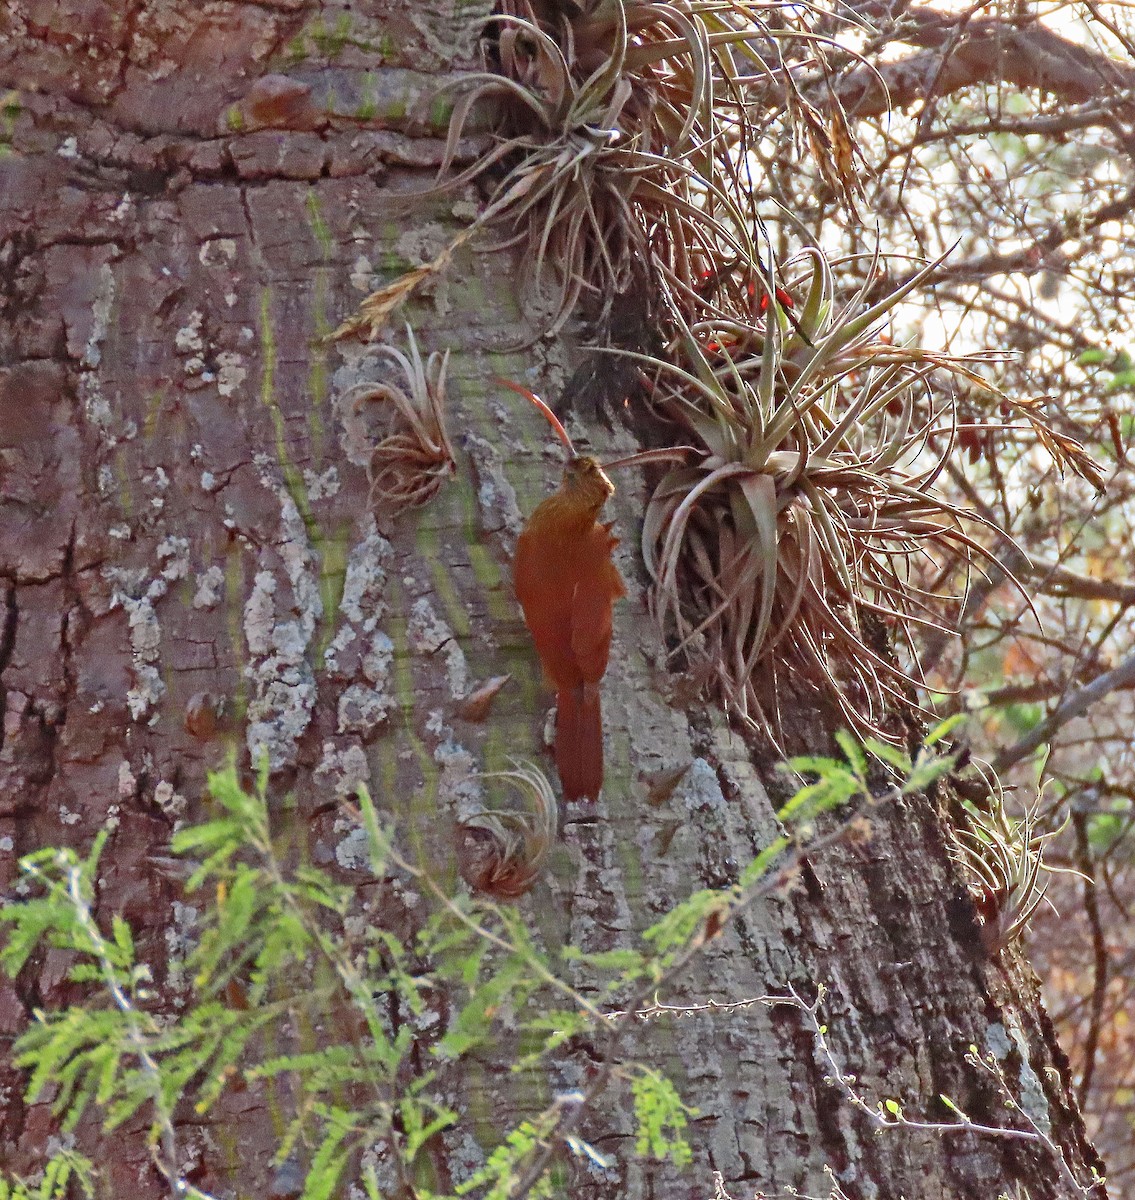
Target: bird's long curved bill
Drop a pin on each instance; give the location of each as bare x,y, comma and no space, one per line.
551,417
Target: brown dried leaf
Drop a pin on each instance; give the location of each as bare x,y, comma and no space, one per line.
845,154
1113,429
662,784
201,713
476,705
1072,453
1066,451
377,308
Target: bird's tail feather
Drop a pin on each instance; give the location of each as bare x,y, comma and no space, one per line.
579,741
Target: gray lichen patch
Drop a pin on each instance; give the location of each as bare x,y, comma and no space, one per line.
352,852
459,785
363,277
284,683
189,344
173,554
170,801
181,939
362,709
188,339
259,613
342,769
138,598
323,485
231,372
392,98
360,646
281,710
700,788
296,553
496,499
210,588
1029,1092
378,659
202,361
285,688
450,29
95,405
428,634
349,382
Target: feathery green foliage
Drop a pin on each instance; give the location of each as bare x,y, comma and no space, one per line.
65,1174
291,989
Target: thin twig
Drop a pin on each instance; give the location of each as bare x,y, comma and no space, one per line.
1099,958
891,1116
1076,705
139,1027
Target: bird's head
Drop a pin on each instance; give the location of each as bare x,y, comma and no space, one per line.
585,478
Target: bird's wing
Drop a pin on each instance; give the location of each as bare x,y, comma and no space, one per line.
591,628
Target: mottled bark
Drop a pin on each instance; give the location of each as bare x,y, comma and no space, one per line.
188,565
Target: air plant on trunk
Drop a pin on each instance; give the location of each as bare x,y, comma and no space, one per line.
500,851
815,495
1003,858
409,465
621,131
616,161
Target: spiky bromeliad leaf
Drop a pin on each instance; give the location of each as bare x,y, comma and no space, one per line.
1003,858
815,494
615,152
407,467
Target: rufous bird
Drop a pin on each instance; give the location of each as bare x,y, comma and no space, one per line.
567,586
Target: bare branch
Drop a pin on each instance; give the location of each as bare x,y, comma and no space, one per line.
1076,705
1059,581
991,51
1032,256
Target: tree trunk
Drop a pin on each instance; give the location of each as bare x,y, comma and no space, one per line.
194,196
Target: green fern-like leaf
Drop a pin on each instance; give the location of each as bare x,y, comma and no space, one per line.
662,1119
330,1160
